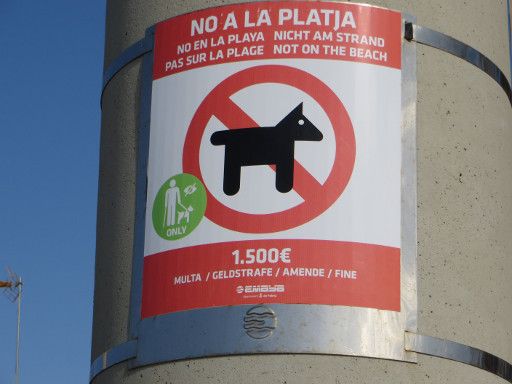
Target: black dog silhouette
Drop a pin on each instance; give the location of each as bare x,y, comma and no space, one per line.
265,145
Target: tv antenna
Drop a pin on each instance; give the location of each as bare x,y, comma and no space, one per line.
12,290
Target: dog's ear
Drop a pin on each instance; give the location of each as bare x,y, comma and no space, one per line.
295,112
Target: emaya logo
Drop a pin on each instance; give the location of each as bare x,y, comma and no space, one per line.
278,288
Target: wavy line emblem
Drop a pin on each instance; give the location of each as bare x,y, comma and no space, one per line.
260,322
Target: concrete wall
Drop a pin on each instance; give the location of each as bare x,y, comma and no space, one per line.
464,209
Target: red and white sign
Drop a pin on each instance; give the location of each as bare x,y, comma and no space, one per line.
289,114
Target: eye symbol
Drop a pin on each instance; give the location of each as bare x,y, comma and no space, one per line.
301,122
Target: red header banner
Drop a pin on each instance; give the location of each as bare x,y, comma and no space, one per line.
278,30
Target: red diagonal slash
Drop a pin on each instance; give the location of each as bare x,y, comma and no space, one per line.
233,117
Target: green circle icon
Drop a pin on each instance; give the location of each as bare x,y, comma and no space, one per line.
179,206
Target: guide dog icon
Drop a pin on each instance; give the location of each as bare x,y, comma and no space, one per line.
265,145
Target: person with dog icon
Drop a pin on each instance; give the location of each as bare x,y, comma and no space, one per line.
179,206
172,203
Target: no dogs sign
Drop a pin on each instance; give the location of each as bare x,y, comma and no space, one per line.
274,171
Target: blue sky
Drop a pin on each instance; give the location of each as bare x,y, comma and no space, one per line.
51,68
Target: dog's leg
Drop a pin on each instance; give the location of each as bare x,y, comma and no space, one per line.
232,172
284,176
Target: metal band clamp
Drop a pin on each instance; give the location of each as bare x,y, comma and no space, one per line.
426,345
133,52
461,353
427,36
113,356
413,32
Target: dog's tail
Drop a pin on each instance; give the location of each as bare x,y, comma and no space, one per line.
220,138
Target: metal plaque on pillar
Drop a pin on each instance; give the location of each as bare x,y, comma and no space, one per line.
276,184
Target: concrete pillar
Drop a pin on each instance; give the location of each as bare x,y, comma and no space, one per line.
464,212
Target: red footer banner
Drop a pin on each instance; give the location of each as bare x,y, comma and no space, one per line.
272,271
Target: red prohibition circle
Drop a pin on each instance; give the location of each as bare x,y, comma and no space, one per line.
317,197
